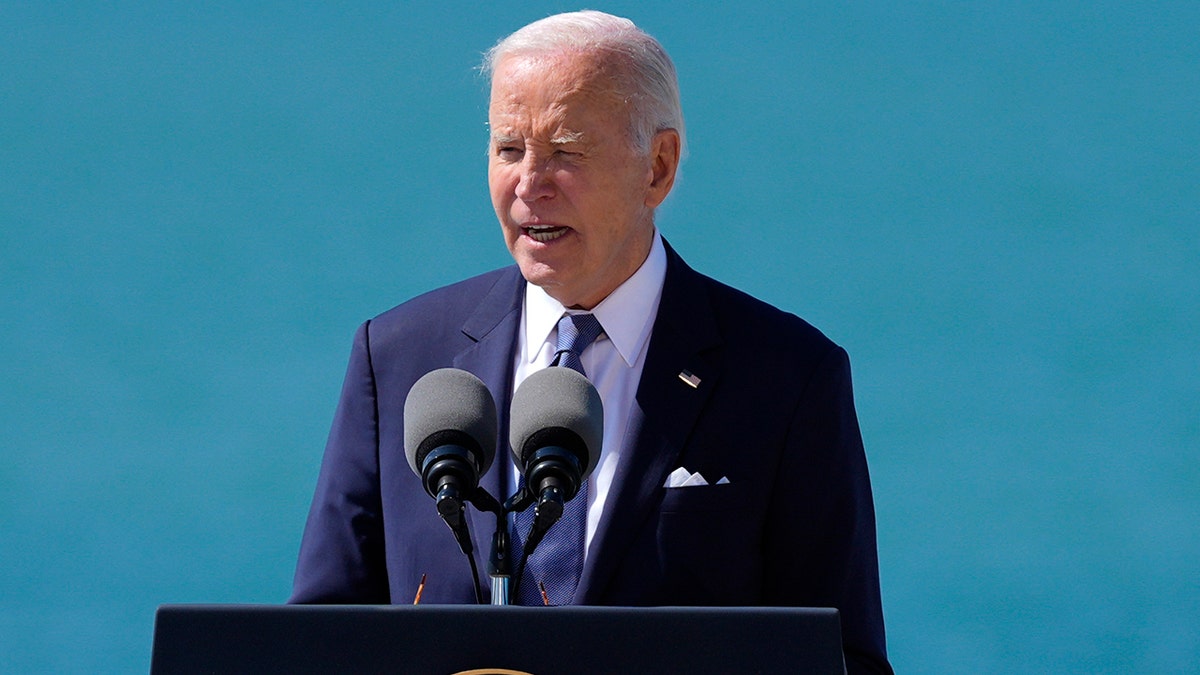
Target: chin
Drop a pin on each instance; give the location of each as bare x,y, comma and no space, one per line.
555,285
538,273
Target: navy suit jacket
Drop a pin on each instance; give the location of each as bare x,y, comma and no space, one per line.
773,412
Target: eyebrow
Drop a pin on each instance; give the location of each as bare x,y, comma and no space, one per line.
568,137
561,139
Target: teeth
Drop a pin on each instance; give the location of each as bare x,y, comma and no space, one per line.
545,232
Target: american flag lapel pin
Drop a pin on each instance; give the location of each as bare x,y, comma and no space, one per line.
689,379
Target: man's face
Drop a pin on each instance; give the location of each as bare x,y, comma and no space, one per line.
574,199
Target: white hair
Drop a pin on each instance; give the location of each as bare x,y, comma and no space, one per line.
647,76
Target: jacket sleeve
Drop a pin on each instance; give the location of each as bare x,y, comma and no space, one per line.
821,549
342,552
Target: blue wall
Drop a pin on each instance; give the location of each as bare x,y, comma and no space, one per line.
994,209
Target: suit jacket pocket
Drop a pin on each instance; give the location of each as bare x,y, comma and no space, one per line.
707,498
708,543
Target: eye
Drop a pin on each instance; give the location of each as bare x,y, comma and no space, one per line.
510,153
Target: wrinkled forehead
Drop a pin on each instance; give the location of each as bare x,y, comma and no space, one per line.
556,78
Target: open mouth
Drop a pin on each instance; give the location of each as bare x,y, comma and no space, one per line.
544,233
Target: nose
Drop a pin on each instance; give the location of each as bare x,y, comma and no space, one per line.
534,182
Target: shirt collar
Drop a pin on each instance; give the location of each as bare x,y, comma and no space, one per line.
627,314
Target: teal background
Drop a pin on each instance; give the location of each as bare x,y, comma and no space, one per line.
993,207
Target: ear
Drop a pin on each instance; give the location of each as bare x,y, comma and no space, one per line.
664,162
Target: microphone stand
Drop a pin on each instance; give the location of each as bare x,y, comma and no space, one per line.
499,566
548,508
504,584
500,563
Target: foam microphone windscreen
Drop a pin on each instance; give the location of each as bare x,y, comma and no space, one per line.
449,406
547,403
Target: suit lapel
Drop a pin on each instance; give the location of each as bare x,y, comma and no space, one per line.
684,338
493,328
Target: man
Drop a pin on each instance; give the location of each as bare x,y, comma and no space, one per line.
586,138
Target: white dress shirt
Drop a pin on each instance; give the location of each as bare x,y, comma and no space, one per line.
613,362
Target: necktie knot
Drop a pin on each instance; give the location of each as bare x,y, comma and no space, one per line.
575,333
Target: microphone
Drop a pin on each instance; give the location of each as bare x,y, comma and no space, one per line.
450,433
556,430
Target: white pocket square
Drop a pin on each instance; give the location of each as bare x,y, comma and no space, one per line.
681,477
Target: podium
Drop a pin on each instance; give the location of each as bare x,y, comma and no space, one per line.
484,640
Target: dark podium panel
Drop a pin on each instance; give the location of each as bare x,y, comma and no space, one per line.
449,639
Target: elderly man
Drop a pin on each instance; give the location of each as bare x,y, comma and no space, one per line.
697,379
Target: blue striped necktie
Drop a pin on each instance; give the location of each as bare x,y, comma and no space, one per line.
558,561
